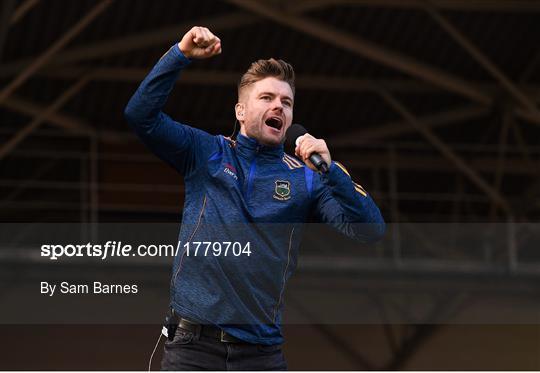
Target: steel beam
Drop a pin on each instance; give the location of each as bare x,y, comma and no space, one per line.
36,122
341,344
6,11
303,81
136,41
360,159
447,152
24,75
460,5
76,126
378,132
501,157
22,10
484,61
364,48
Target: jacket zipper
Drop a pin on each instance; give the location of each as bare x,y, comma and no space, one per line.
284,275
252,168
189,240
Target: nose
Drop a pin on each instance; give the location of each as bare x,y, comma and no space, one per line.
277,105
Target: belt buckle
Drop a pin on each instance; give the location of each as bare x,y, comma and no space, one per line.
222,336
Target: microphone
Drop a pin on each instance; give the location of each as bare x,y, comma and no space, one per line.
291,141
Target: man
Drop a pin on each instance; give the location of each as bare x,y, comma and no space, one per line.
247,192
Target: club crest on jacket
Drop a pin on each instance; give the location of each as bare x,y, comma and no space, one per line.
282,191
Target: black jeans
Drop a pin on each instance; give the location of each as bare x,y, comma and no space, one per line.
188,351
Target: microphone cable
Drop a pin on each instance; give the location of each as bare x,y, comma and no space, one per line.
154,351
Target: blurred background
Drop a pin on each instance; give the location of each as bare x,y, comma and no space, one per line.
431,105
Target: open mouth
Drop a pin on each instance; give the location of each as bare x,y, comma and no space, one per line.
274,122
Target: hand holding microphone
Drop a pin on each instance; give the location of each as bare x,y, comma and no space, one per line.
314,152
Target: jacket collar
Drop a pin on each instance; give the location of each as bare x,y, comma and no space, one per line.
249,148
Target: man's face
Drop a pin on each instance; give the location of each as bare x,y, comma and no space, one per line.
265,111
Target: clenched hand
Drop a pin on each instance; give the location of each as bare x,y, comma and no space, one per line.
199,42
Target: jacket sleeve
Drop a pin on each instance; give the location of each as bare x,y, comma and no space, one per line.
345,205
183,147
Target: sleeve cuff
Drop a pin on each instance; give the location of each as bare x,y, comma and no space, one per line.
180,55
175,56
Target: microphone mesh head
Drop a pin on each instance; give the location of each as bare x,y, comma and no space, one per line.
294,132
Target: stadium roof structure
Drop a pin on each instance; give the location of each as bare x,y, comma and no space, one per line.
432,105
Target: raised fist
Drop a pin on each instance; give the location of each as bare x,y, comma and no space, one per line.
199,42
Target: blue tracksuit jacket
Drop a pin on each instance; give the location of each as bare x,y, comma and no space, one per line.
241,191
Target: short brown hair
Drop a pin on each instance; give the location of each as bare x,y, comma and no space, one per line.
267,68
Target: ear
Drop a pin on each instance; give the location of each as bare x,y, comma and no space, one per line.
239,109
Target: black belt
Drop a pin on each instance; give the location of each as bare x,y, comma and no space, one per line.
208,331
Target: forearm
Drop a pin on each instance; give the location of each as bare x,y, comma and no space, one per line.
351,209
144,108
183,147
175,143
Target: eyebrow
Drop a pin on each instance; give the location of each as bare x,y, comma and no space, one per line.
273,94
